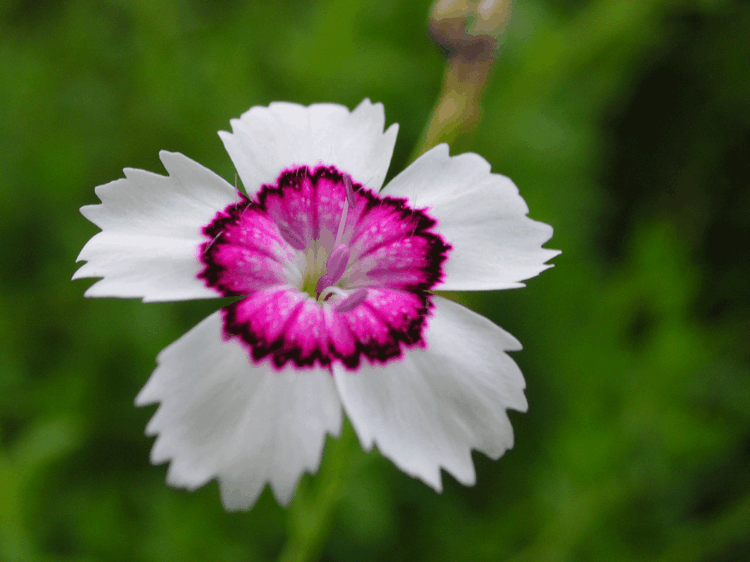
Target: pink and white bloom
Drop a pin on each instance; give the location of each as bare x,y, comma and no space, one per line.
336,311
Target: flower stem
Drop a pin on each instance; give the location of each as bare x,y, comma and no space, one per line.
311,514
458,108
473,41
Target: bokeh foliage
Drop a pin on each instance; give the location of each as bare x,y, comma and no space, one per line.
626,126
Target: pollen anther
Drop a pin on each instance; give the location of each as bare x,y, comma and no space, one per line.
349,189
337,262
352,301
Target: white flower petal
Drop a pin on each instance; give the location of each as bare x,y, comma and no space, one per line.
495,245
151,231
223,417
431,408
267,140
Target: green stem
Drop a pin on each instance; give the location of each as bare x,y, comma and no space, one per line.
311,514
458,109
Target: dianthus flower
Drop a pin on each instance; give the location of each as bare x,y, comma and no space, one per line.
336,310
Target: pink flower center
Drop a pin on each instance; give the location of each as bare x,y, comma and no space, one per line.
329,271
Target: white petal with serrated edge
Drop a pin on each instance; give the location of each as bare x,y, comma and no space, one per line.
267,140
245,424
429,409
482,215
151,232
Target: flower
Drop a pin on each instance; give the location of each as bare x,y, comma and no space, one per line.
337,309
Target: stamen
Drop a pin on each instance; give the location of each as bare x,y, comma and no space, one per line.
211,243
349,190
330,291
349,202
292,237
342,223
335,266
323,283
352,301
337,262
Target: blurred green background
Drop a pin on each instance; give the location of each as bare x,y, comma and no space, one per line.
626,125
